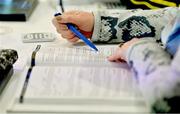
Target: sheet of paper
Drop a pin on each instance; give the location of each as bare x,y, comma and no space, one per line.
80,90
74,56
79,83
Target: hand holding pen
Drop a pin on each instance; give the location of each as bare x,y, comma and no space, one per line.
83,21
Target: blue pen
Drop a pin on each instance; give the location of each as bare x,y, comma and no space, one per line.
78,34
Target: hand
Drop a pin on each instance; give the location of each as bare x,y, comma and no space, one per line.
84,21
120,54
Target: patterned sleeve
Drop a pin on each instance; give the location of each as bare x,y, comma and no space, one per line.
119,26
158,76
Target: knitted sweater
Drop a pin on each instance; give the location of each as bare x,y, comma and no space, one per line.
156,73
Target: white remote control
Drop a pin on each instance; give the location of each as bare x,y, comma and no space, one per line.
38,37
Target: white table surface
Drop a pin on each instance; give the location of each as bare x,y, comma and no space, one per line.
10,37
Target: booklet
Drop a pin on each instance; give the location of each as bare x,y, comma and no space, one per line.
78,80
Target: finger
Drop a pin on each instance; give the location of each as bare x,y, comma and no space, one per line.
67,34
59,31
55,23
116,56
74,39
63,27
120,61
58,18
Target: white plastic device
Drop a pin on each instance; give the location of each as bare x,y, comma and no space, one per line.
38,37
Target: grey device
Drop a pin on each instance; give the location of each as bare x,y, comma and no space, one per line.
38,37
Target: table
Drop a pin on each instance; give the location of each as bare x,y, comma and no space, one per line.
10,37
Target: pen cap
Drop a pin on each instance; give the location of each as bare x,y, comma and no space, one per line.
57,14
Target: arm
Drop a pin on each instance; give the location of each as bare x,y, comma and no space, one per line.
114,26
157,78
123,25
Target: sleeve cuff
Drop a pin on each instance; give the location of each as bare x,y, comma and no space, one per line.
142,41
96,26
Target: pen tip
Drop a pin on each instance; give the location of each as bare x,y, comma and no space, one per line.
96,49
